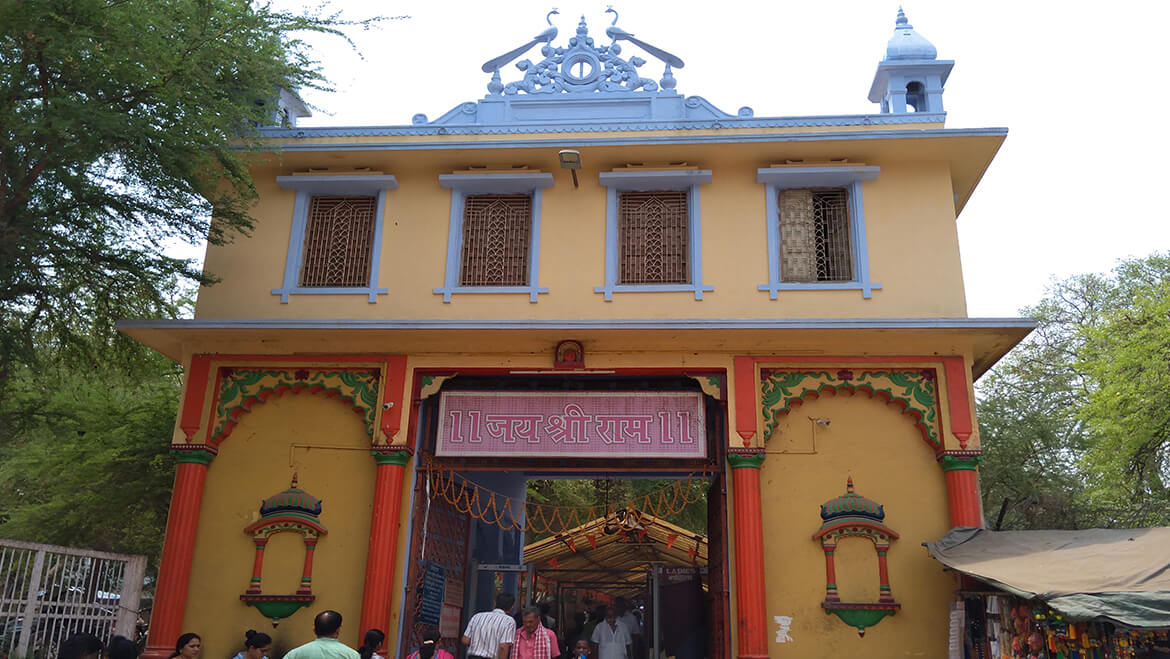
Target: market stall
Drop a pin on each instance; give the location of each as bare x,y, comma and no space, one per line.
1089,594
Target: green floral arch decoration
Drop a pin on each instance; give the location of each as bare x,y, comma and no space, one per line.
914,392
238,390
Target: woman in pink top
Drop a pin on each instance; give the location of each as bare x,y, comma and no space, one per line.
430,647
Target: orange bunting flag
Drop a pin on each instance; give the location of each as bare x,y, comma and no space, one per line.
592,540
552,562
691,553
569,541
670,539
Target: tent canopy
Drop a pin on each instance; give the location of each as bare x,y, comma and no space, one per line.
1112,575
571,557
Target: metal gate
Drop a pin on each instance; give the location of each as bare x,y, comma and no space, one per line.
48,593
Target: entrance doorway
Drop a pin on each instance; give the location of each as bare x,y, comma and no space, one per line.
485,524
654,574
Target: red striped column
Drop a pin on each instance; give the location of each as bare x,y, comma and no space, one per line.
382,553
884,594
751,604
257,566
831,594
174,572
963,487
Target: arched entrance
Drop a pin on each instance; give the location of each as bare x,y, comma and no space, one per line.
482,437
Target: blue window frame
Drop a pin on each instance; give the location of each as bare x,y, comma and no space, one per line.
687,180
849,177
463,185
310,186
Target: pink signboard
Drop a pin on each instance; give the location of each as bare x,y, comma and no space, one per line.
585,424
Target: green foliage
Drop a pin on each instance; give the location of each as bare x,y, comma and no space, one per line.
1076,422
84,460
125,123
615,494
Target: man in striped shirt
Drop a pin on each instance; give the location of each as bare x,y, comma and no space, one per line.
489,635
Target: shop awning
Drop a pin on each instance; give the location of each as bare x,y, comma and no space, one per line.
1107,575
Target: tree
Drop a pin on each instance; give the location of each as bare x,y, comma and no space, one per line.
1126,358
1075,421
126,122
85,461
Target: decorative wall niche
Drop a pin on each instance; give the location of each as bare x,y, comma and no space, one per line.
852,515
569,354
290,511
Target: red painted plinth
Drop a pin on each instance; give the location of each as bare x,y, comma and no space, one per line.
380,559
174,573
963,497
749,564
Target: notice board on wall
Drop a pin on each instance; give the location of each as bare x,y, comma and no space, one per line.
449,622
430,608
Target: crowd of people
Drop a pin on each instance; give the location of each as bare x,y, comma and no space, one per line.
608,632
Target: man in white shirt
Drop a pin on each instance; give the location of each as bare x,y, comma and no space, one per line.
611,639
633,626
489,634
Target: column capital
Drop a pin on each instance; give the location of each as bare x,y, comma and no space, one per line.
960,460
749,458
193,453
392,454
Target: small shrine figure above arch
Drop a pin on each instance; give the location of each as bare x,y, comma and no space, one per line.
289,511
852,515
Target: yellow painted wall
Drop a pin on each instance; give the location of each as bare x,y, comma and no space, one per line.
910,217
867,439
253,464
890,464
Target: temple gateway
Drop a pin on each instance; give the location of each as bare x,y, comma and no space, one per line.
753,323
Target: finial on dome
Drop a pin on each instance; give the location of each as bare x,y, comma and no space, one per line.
294,480
906,44
849,484
902,20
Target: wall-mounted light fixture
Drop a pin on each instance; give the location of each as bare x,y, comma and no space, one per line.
571,160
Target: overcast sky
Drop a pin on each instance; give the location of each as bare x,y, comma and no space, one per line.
1078,84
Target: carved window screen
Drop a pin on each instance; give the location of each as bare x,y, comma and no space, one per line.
339,239
653,238
815,240
497,232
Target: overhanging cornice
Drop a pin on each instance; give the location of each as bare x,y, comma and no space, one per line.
986,339
574,141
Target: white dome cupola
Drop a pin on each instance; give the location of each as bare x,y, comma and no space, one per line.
911,77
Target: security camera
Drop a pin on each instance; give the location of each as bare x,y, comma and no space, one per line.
387,405
824,423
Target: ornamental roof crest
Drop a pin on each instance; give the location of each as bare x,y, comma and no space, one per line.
581,86
582,66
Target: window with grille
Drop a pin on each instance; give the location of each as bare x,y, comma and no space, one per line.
815,243
653,237
496,238
339,241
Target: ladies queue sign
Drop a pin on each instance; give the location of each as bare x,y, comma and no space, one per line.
662,424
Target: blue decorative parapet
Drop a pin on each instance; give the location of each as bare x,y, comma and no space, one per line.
581,82
584,87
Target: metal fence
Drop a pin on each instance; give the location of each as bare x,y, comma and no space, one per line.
49,593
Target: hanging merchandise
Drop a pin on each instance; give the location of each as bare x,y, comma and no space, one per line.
1017,629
